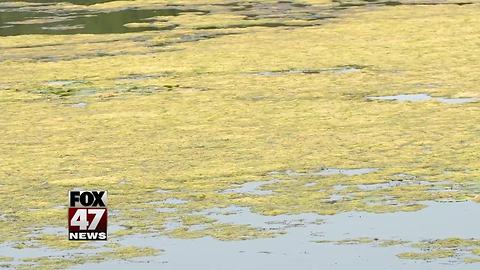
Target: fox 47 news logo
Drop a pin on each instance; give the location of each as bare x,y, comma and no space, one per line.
87,215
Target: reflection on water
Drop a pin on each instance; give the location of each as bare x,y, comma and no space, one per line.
438,220
15,22
297,248
303,246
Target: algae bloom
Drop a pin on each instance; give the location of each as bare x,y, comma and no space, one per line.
244,129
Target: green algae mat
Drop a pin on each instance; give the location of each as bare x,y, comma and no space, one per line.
179,102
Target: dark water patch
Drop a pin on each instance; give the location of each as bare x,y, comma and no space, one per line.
76,2
25,23
10,17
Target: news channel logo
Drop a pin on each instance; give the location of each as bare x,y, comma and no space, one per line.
87,215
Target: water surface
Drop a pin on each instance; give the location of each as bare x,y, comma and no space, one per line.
18,22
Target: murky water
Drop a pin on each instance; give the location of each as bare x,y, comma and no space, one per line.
15,22
57,21
76,2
